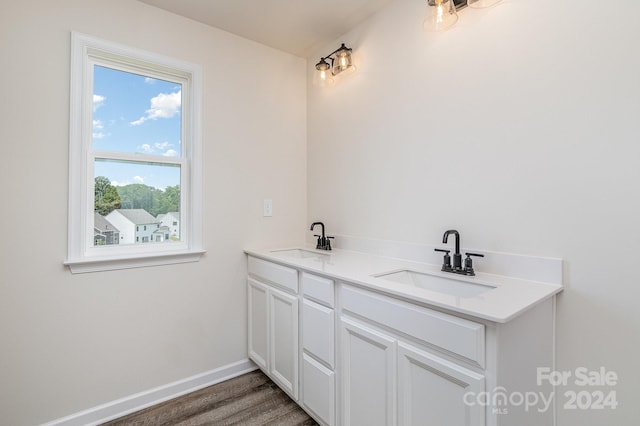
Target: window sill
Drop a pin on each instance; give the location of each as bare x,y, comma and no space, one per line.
81,266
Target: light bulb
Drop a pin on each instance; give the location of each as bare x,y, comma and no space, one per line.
343,61
323,76
441,14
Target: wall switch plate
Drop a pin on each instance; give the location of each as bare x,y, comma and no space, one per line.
267,208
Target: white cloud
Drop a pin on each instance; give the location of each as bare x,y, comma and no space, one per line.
138,121
98,101
149,80
162,145
166,147
165,105
146,148
159,148
98,125
138,179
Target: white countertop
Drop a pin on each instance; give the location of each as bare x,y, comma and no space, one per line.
510,297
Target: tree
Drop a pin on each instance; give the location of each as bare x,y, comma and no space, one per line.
170,199
107,198
153,200
140,196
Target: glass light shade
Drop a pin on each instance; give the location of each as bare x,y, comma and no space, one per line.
479,4
323,76
342,61
441,14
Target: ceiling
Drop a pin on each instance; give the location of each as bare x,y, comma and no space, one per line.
299,27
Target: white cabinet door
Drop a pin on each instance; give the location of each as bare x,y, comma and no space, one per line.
367,383
258,329
318,331
283,340
318,389
431,390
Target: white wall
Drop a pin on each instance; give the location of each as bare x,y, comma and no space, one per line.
70,342
518,127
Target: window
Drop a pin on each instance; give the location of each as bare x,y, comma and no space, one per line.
134,154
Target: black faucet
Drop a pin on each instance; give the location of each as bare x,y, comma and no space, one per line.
323,242
457,257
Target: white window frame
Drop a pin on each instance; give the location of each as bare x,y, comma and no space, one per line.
83,256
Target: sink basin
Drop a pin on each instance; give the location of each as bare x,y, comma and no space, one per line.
299,254
452,286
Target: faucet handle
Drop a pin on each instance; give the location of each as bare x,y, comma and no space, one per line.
475,254
468,263
446,261
328,246
319,242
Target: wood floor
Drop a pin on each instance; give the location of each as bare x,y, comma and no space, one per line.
251,399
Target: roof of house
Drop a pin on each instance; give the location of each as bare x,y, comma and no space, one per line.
176,215
102,224
137,216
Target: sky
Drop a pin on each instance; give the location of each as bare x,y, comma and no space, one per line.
136,114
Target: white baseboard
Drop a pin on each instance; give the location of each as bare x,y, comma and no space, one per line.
127,405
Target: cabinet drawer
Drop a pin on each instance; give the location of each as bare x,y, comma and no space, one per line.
318,331
286,278
457,335
318,288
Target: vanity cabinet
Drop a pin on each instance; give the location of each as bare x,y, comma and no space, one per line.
352,355
273,322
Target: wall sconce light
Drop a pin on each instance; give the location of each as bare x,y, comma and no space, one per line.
340,61
442,14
